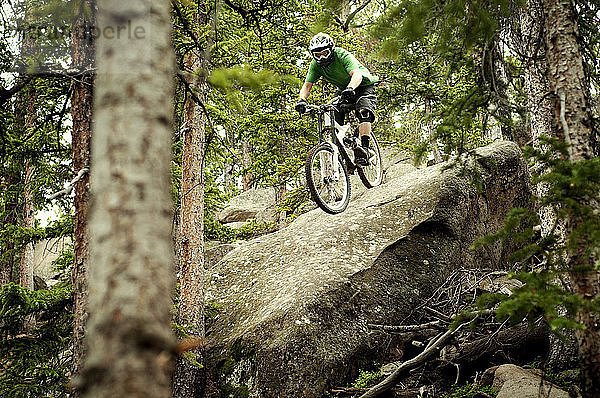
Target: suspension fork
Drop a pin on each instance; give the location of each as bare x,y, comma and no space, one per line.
327,129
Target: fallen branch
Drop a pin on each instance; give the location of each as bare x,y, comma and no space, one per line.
437,313
391,380
512,341
6,94
405,328
348,390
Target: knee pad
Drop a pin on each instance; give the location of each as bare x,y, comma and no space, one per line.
365,115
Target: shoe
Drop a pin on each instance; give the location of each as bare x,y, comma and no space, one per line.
361,156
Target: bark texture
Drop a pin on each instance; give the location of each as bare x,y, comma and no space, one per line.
535,69
187,382
6,257
539,106
129,337
572,115
29,49
82,101
26,270
27,261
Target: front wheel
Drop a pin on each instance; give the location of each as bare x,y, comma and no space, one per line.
327,179
372,174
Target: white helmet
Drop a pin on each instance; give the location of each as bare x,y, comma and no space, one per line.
321,47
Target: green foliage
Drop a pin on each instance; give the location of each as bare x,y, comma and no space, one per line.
563,381
213,202
14,237
253,228
193,358
35,363
471,391
211,309
227,367
239,351
237,392
572,189
440,71
242,350
367,378
63,264
35,150
226,79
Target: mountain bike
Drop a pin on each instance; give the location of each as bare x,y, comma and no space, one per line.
330,163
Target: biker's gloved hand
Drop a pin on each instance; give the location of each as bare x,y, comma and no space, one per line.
301,106
347,95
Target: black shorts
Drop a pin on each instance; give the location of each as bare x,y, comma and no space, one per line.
365,105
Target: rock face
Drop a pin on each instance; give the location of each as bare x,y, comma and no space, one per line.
45,252
295,304
248,205
512,381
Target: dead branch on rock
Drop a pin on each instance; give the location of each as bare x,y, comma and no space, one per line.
348,390
406,328
390,381
454,300
514,339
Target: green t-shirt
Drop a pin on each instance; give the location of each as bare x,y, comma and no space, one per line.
337,73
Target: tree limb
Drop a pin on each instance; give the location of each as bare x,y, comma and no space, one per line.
67,190
353,14
405,328
391,380
5,94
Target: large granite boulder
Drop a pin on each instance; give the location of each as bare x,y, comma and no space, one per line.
294,305
248,205
45,252
513,381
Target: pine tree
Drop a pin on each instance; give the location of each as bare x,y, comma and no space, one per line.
187,382
572,120
82,98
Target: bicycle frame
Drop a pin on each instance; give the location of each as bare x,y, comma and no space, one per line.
335,155
326,122
327,127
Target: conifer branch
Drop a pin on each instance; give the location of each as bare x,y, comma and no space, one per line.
200,103
354,13
5,94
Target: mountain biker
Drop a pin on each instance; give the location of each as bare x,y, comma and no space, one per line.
355,85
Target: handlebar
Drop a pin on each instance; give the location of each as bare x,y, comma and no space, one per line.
333,103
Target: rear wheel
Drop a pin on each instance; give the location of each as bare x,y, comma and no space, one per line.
372,175
327,179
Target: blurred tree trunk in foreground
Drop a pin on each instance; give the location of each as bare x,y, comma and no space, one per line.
129,337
